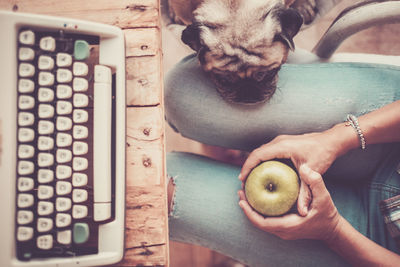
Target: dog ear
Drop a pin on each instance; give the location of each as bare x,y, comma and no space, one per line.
191,36
291,21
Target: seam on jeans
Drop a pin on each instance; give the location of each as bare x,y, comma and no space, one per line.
344,64
384,187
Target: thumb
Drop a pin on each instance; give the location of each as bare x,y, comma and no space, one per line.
312,179
304,199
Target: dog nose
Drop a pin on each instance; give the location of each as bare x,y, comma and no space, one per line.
250,96
251,92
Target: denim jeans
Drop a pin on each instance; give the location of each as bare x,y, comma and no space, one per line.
309,98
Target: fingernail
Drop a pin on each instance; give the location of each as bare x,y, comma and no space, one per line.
305,167
241,203
240,176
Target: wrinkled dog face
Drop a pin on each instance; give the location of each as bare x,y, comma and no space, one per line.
242,44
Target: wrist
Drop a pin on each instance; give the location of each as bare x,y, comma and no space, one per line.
333,235
342,138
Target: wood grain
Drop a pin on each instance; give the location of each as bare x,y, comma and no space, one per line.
146,213
144,123
146,245
145,147
143,80
142,42
146,238
121,13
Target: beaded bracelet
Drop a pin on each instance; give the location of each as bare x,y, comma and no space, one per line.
353,121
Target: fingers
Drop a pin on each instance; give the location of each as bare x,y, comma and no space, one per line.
274,225
304,199
252,215
263,153
252,161
242,195
271,224
313,180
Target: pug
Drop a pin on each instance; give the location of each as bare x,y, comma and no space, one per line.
242,44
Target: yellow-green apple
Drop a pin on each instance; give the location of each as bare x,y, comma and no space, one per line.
272,188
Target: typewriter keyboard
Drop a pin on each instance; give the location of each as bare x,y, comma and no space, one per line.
58,74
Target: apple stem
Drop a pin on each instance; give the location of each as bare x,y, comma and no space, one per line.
270,187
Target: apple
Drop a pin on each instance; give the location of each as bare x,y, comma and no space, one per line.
272,188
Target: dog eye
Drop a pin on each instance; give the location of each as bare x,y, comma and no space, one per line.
211,26
265,75
273,72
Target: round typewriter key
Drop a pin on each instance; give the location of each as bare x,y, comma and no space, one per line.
47,43
27,37
81,233
44,242
81,50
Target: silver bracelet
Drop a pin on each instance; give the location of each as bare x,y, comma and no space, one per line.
353,121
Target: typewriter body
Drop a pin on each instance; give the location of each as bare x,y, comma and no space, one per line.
62,141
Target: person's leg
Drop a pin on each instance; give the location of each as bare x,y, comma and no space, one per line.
385,184
364,212
204,211
310,97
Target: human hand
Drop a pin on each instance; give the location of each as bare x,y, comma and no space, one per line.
317,150
320,222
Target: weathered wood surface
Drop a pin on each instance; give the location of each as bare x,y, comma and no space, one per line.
143,80
147,245
141,42
146,238
121,13
145,146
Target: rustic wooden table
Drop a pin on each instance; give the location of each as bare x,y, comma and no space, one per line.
146,230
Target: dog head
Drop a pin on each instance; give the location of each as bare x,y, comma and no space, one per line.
242,45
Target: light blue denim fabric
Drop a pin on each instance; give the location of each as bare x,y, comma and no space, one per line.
309,98
206,213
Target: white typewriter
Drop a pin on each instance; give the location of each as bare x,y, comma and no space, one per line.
62,141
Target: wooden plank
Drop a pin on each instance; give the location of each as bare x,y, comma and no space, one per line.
122,13
143,80
144,123
145,146
145,256
146,213
142,42
145,163
144,221
146,238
